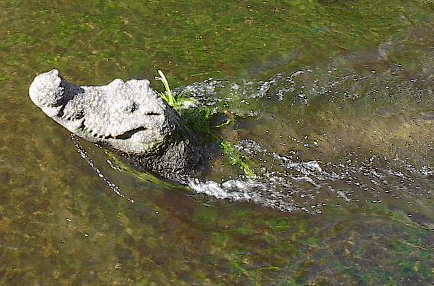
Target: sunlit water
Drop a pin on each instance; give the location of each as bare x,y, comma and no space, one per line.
318,136
333,109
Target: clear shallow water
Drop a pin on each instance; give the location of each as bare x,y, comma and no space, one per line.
364,133
334,110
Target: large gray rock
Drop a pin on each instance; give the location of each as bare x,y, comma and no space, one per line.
126,116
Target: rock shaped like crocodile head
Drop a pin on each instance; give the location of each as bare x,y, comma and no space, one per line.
128,116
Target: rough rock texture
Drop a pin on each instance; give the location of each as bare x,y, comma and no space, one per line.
126,116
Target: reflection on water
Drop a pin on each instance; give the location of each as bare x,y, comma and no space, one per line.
337,123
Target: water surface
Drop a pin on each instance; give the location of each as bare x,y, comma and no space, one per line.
334,111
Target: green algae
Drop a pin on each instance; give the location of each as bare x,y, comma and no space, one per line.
60,226
201,40
236,158
201,121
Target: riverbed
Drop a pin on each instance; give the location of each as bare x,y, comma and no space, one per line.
334,113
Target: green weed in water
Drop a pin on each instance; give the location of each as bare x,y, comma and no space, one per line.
236,158
201,121
178,102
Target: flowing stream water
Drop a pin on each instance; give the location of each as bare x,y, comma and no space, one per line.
333,110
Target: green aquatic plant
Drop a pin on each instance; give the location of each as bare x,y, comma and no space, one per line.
177,101
236,158
201,120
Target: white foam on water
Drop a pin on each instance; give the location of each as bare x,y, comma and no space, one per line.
248,190
232,190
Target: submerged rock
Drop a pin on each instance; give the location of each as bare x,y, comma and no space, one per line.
127,116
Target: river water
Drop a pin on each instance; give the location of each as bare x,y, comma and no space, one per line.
334,112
